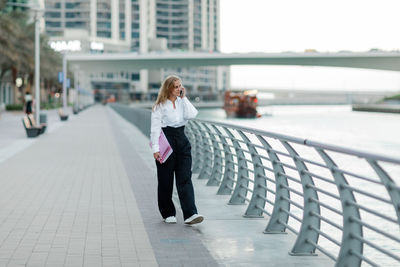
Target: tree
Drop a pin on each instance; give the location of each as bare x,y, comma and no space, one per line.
17,48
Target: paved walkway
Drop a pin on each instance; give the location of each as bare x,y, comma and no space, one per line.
84,194
66,201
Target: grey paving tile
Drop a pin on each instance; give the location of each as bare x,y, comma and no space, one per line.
73,260
92,261
147,264
56,258
5,253
110,261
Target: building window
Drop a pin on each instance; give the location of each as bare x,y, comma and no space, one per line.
77,24
162,21
53,15
103,34
162,29
103,15
162,5
55,33
181,37
135,76
53,24
70,15
104,25
160,13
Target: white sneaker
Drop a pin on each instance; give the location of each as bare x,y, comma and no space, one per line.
195,218
170,219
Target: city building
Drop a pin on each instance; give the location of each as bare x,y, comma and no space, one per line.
140,26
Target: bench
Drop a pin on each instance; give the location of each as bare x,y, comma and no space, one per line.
30,130
75,109
62,115
42,126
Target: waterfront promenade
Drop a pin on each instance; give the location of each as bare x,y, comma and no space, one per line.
84,194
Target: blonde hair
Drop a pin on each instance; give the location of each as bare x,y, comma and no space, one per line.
165,89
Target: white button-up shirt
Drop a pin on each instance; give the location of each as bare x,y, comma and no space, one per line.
165,115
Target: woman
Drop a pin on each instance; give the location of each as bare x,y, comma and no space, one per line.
170,113
28,103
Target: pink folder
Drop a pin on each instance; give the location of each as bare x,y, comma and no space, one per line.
165,147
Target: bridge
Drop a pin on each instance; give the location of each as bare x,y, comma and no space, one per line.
134,61
112,62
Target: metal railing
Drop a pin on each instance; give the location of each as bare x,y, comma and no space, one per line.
338,201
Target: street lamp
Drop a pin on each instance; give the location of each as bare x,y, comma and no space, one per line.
35,9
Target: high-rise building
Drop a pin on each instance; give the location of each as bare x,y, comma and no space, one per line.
188,26
95,25
142,26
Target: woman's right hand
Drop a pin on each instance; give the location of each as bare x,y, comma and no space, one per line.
156,155
183,92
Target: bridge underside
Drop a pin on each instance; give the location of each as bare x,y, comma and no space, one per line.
134,61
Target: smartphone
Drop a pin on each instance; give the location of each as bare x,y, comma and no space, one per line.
181,93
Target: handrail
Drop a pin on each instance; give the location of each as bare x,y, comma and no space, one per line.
335,192
305,142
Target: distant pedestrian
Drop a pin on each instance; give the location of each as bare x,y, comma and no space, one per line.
171,112
28,103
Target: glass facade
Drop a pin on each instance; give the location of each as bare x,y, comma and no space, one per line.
135,26
172,23
216,27
103,18
66,14
172,20
197,25
54,18
122,22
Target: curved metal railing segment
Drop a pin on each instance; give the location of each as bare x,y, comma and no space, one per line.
342,202
338,201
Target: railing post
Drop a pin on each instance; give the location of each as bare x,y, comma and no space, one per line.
390,186
207,153
349,244
239,193
226,186
302,247
282,194
216,172
198,158
192,139
257,201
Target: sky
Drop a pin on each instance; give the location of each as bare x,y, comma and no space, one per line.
296,25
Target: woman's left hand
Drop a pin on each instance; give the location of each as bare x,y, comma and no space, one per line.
157,156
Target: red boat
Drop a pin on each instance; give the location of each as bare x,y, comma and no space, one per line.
241,104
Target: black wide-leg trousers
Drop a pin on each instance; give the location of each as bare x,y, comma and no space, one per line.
179,164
